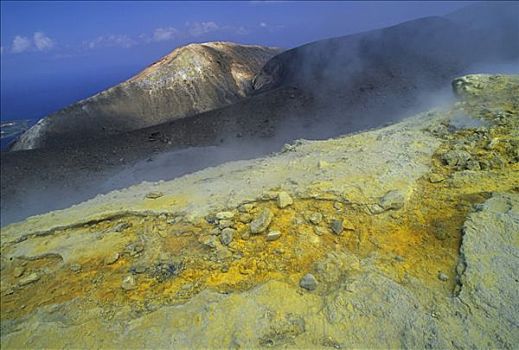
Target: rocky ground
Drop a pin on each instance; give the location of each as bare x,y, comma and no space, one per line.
404,236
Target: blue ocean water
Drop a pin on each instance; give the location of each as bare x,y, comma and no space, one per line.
12,129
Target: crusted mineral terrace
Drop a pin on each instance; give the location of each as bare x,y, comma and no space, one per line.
405,236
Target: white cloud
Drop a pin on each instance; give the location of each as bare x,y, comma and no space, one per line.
196,29
123,41
271,27
42,42
241,31
20,44
201,28
164,34
39,42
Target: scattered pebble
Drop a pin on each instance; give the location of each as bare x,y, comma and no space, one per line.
376,209
315,218
338,206
227,235
225,215
288,148
308,282
245,208
262,222
129,283
273,235
75,267
164,271
443,277
174,220
18,271
138,269
268,195
337,226
298,220
112,259
347,225
457,158
392,200
211,219
223,253
435,178
193,219
135,248
161,233
121,227
473,164
209,241
154,195
284,200
225,223
33,277
319,230
245,218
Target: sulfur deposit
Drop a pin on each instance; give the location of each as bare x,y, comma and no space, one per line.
404,236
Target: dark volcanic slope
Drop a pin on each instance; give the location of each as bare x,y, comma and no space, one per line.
319,90
191,79
393,68
35,181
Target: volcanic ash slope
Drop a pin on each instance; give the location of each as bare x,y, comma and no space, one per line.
191,79
406,236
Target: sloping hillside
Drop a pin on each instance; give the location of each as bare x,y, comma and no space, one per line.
191,79
323,89
400,237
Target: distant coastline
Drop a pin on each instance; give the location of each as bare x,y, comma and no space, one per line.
10,130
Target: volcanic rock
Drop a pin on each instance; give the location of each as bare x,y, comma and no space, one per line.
273,235
227,235
262,222
308,282
392,200
33,277
284,200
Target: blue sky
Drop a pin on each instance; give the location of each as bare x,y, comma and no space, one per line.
54,53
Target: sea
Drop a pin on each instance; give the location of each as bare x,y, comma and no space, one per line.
10,130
